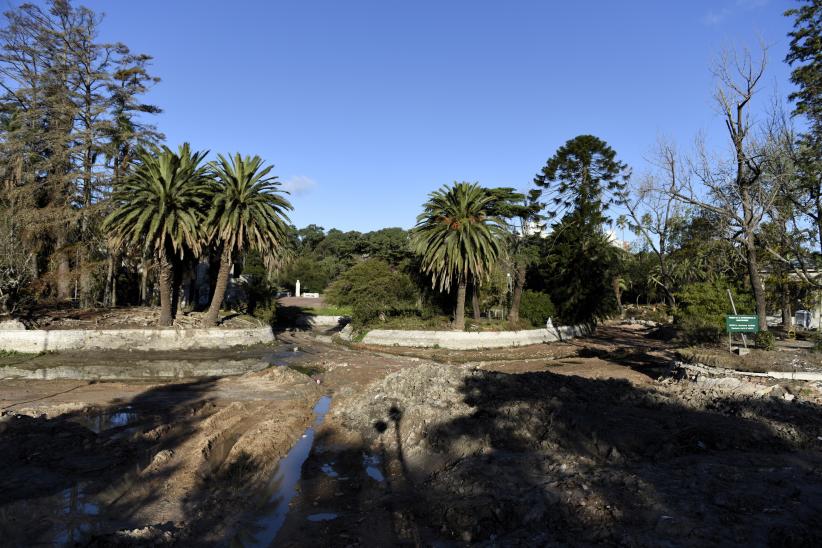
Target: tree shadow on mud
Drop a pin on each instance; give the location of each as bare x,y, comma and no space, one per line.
545,459
69,478
653,366
292,317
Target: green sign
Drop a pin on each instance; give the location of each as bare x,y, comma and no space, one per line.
742,324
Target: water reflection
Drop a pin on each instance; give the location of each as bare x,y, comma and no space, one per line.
323,516
77,517
371,463
100,422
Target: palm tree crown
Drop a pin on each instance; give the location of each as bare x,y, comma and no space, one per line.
248,209
455,236
160,204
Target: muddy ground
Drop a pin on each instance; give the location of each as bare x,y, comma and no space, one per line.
588,442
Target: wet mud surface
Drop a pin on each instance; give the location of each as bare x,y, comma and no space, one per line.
582,443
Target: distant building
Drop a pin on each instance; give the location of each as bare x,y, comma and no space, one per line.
616,242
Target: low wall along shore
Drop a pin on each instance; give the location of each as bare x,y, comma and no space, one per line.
310,321
130,339
470,340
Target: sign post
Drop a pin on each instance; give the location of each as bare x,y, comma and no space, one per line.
740,324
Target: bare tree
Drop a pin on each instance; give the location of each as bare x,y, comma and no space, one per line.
655,210
734,188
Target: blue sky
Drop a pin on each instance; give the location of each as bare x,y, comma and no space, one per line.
366,106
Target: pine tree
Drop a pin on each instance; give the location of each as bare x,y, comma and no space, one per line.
66,100
805,56
581,181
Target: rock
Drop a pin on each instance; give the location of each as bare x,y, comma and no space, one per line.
12,325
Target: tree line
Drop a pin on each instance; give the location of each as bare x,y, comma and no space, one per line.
707,223
95,210
72,117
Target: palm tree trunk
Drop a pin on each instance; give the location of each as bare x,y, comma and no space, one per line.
166,276
459,315
108,290
219,289
475,301
176,280
615,283
516,297
144,282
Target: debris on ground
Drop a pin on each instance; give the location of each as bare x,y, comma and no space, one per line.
135,317
542,458
600,440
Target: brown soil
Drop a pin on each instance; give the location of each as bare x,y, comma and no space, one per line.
578,443
86,459
533,447
301,302
786,358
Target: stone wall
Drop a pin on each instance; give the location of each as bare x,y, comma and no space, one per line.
474,340
130,339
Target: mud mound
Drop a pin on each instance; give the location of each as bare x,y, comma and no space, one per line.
415,398
279,375
544,458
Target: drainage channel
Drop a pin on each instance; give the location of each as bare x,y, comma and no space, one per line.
282,487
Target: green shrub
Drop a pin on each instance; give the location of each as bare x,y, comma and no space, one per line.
259,295
703,307
536,307
765,340
374,291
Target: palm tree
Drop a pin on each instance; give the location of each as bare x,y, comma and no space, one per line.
247,212
159,207
457,240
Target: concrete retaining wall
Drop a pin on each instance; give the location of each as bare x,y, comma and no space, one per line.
309,321
133,339
475,340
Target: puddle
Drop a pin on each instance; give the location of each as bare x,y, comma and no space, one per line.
100,422
329,471
281,356
262,530
68,518
321,409
325,516
78,517
371,464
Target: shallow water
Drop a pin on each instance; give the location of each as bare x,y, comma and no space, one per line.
263,529
106,420
77,516
323,516
371,463
329,471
